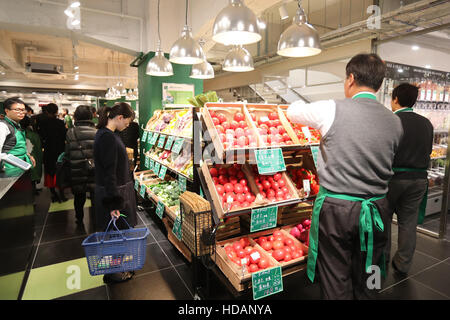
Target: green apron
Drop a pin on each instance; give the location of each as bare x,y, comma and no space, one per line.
19,150
423,204
368,213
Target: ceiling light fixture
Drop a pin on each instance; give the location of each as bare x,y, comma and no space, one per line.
202,70
415,48
159,66
236,24
283,12
427,66
301,39
238,60
186,50
75,4
76,67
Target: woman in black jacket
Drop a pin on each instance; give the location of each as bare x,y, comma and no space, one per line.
114,187
80,152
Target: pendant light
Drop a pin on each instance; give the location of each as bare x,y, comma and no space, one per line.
301,39
159,66
238,60
186,50
236,24
202,70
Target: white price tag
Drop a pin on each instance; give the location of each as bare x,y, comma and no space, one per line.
141,176
255,256
306,187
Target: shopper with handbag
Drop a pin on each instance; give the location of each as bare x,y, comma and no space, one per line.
80,153
114,187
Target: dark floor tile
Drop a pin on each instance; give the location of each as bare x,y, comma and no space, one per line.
63,231
59,251
439,249
433,225
160,285
174,255
68,217
409,290
99,293
15,260
157,231
155,259
437,278
297,286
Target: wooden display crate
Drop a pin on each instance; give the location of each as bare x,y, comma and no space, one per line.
230,227
217,202
168,223
239,277
283,113
294,214
307,162
228,110
260,110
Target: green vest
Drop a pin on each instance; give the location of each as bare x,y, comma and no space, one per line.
19,150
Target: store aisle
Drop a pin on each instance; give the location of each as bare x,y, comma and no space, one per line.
59,258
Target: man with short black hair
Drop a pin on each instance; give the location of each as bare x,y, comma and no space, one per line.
12,136
407,194
359,140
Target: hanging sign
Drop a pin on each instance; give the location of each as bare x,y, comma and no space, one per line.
315,154
136,184
144,136
147,162
169,142
177,227
182,183
160,209
154,138
162,172
267,282
156,168
270,161
263,218
161,141
143,191
178,145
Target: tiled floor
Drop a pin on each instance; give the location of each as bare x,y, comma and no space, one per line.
166,274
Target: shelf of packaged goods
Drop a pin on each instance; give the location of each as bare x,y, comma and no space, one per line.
170,134
171,169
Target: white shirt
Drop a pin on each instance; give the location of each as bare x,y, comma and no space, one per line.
319,115
4,131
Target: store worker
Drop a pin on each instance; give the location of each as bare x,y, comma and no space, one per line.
12,136
407,194
359,140
114,187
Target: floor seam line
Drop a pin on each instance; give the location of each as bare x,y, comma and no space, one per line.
432,289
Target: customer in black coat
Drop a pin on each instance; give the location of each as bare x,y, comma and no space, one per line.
130,138
53,135
114,187
80,152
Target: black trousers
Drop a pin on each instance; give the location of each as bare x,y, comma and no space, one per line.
340,267
79,199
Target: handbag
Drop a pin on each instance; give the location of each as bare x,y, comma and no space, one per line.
63,174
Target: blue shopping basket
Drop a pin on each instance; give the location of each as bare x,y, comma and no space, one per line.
116,251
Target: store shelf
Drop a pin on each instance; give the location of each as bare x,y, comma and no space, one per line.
169,134
437,158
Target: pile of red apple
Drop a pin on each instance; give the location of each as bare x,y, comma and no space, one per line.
243,254
272,187
233,134
271,130
232,187
299,174
281,247
301,231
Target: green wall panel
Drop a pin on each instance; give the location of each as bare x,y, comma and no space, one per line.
150,89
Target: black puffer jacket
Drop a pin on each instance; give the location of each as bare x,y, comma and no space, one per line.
83,134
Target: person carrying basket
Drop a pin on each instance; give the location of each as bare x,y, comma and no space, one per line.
114,188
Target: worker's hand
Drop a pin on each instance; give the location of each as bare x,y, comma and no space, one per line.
33,162
115,214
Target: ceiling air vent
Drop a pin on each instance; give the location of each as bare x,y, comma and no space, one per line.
43,68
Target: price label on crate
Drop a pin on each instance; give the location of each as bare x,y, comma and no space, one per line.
182,183
162,172
178,145
136,184
149,138
267,282
307,133
147,162
169,142
160,209
156,167
144,136
152,164
263,218
162,139
143,191
177,227
154,138
315,154
270,161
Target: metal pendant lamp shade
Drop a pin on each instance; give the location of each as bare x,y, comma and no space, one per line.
299,40
236,24
159,66
238,60
186,50
202,70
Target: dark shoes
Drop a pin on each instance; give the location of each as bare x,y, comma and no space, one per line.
118,277
401,273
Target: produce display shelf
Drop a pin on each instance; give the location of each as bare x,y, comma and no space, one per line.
172,170
437,158
438,131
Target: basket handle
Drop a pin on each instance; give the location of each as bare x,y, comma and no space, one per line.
113,220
